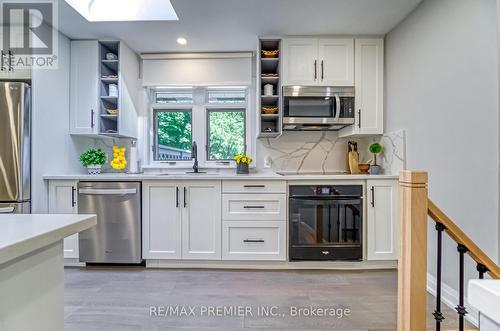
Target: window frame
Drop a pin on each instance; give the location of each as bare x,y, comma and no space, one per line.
220,109
199,108
156,144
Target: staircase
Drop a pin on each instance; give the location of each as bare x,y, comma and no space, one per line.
415,211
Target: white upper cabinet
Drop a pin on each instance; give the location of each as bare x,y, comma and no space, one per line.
369,85
323,62
382,220
300,61
84,96
95,107
336,62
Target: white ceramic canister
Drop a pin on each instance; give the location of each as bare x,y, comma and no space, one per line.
113,90
268,89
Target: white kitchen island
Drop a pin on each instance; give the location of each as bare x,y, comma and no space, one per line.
31,269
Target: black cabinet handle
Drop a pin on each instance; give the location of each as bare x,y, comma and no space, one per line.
91,118
11,55
359,118
185,203
254,186
315,69
372,202
73,198
253,241
2,64
177,197
253,207
322,70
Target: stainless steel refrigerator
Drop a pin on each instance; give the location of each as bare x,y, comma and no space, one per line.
15,148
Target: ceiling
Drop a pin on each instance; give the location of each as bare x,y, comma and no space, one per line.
233,25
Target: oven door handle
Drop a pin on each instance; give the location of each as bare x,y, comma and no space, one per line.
315,197
337,108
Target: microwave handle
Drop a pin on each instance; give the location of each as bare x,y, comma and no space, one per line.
337,107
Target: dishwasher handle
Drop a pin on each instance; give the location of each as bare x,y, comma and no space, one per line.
107,191
6,210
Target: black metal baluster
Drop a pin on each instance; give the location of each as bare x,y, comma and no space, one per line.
461,308
481,268
438,316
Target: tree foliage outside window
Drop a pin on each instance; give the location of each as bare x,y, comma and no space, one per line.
226,134
174,134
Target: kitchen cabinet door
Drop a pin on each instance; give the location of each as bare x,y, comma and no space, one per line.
63,200
201,220
161,220
369,85
382,220
300,56
84,107
336,62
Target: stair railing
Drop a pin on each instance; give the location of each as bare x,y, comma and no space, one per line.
415,210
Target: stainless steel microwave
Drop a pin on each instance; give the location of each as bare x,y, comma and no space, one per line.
317,108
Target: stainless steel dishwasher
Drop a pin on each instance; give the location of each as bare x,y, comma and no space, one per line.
117,236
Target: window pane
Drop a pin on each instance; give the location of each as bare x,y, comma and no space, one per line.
227,97
173,97
226,134
173,135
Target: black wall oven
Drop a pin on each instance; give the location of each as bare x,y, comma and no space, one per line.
326,222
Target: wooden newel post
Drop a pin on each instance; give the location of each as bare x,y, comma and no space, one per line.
412,265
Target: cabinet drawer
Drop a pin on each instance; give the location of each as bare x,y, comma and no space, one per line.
254,241
254,207
253,186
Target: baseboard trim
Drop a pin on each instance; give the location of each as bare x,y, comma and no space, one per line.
449,296
272,265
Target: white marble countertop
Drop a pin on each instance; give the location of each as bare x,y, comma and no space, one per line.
215,175
24,233
484,295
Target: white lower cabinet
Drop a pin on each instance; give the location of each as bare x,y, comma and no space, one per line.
181,220
254,221
63,200
382,220
201,221
250,240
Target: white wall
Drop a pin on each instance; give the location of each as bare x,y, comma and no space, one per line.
54,151
442,87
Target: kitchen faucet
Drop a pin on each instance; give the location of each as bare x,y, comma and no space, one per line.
194,155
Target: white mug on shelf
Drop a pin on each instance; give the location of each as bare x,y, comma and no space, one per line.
268,89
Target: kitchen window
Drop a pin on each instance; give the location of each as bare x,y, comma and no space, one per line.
226,133
173,134
215,117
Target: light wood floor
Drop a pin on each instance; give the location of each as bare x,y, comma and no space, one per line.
120,299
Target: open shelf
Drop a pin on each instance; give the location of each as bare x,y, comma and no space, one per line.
269,73
109,67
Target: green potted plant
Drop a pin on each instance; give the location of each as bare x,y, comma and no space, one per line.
93,159
375,149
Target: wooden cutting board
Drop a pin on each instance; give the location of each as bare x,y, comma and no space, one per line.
354,162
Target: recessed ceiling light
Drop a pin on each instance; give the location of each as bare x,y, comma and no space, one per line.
182,41
119,10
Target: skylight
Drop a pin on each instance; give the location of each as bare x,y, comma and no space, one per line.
124,10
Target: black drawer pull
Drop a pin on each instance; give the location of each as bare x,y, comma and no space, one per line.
254,186
253,240
254,207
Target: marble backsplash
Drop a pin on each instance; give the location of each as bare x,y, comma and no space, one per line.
324,152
